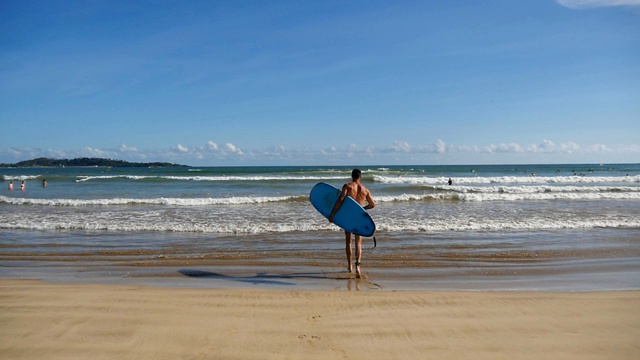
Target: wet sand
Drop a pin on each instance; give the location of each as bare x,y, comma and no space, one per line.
586,260
76,321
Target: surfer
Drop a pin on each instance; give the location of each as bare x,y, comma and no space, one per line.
361,195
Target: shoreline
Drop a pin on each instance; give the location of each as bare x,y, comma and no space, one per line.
60,321
300,277
478,262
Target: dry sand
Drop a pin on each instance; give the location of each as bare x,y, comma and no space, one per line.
79,321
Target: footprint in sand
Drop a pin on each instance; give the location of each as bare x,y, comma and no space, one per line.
310,339
341,352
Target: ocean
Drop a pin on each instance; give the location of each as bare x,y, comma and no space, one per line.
571,227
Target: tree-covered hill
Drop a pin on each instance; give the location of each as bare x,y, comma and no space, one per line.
50,162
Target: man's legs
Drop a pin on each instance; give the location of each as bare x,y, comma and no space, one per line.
358,254
347,236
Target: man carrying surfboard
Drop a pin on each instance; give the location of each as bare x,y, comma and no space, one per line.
361,195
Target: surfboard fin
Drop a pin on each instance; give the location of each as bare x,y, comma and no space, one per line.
375,243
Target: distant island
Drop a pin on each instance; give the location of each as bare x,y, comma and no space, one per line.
86,162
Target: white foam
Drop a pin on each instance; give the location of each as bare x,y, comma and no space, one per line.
511,196
455,193
486,224
529,189
114,223
127,225
152,201
209,178
426,180
19,177
549,196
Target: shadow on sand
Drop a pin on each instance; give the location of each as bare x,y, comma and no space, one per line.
258,279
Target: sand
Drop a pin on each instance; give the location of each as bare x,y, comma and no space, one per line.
82,321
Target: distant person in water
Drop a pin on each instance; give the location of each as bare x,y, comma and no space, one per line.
10,185
44,183
450,182
361,195
22,186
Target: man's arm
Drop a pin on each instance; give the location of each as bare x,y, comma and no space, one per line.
336,207
370,203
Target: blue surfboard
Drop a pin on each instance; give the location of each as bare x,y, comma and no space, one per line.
350,217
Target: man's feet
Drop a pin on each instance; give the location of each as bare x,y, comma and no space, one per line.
358,270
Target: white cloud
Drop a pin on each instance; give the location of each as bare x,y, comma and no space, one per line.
599,148
504,148
439,147
56,153
232,148
126,149
15,152
400,146
469,149
548,146
578,4
630,149
569,147
544,147
210,153
91,152
181,148
28,153
275,153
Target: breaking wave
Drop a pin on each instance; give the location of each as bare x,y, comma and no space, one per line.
210,178
424,180
155,201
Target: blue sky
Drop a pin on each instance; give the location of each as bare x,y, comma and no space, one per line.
321,82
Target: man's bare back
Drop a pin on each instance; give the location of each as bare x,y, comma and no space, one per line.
359,193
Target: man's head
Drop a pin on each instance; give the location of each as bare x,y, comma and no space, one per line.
355,174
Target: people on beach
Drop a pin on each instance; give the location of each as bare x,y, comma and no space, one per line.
22,186
11,185
361,195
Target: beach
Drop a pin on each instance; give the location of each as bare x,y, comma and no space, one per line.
571,227
234,263
78,321
320,180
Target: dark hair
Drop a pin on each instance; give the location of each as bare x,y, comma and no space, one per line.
355,174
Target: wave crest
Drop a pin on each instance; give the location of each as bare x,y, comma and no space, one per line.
209,178
155,201
425,180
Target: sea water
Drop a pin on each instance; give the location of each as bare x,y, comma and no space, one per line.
559,227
